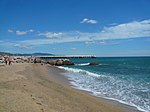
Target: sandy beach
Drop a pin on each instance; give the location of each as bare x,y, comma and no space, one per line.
34,88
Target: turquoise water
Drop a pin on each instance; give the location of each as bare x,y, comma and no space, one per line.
123,79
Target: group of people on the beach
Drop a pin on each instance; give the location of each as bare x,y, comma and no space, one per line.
8,60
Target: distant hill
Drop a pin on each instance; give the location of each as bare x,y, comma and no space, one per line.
32,54
42,54
5,53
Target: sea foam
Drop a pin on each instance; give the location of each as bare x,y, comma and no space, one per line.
105,86
83,64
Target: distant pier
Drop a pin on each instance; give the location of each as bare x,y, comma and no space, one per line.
69,56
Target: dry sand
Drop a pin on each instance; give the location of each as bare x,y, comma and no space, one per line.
30,88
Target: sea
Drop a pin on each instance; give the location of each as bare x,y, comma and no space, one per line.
124,79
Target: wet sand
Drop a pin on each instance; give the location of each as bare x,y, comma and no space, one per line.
41,88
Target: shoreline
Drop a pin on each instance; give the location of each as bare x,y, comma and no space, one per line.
64,75
28,87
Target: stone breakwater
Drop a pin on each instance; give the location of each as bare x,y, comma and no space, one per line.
60,62
30,59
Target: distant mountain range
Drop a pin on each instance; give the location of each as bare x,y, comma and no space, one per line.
32,54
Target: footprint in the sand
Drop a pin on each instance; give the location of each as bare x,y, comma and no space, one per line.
12,111
32,97
42,110
38,103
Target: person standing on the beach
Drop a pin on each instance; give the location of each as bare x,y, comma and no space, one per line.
6,60
10,61
35,60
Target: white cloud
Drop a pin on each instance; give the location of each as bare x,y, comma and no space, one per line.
31,30
106,42
51,35
135,29
23,46
57,48
21,32
92,21
84,20
90,42
18,32
73,48
10,31
89,21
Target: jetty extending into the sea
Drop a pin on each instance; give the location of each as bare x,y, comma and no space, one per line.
69,56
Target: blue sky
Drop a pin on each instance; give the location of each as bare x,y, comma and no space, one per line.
81,27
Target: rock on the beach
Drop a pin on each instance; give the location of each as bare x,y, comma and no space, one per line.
60,62
67,62
51,62
93,63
